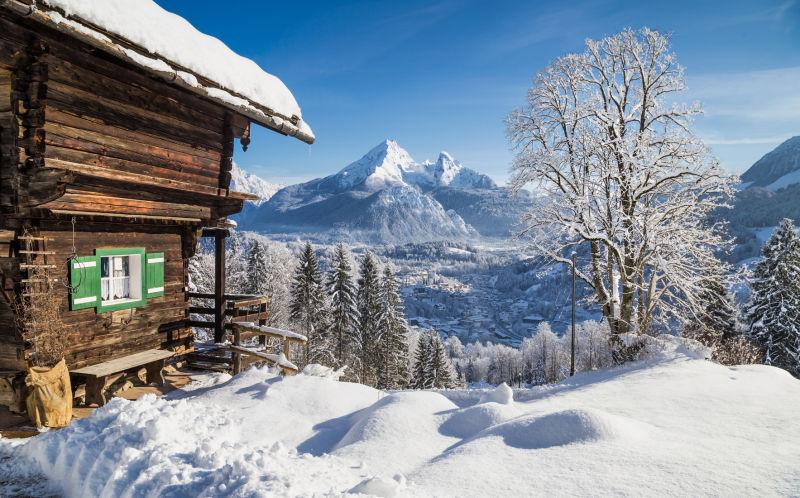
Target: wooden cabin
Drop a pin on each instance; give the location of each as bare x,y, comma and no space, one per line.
113,160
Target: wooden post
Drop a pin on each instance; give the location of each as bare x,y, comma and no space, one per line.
236,356
286,349
262,320
219,284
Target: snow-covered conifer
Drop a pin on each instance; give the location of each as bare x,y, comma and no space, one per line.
716,321
269,274
440,371
773,314
235,265
344,312
421,378
308,307
367,301
393,331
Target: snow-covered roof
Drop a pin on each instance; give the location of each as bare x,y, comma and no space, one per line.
166,44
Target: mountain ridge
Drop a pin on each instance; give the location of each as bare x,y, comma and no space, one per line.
777,169
387,196
249,183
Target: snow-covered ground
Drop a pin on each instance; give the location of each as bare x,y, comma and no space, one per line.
671,426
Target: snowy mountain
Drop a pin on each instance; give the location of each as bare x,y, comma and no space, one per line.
770,191
386,196
242,181
777,169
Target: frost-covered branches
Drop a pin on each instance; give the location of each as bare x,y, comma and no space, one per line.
620,173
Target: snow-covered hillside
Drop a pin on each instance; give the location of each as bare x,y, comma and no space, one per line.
672,426
353,201
777,169
243,181
770,191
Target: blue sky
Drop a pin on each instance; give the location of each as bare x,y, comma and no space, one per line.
443,75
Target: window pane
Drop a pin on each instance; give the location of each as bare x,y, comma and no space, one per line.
115,279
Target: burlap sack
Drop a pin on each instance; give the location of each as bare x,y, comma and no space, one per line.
49,398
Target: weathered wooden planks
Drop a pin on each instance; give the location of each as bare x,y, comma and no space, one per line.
84,132
125,363
93,337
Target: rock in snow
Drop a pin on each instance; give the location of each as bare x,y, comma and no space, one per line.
673,426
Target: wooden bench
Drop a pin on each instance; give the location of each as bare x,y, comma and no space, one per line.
97,376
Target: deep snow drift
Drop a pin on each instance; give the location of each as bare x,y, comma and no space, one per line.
672,426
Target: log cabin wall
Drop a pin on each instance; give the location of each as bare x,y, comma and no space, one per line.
94,337
93,137
11,345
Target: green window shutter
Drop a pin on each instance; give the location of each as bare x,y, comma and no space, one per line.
154,274
84,278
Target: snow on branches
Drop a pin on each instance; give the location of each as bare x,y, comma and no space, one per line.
621,176
773,314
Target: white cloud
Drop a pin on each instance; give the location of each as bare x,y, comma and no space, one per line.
746,140
770,94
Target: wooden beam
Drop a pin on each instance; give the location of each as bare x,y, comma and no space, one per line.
148,180
120,215
219,286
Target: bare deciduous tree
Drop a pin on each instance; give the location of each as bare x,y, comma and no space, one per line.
619,172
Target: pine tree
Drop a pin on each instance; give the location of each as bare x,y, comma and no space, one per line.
439,368
257,269
773,313
344,312
307,307
269,274
368,318
421,378
392,326
235,265
717,322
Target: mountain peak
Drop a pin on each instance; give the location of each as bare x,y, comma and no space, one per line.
383,165
243,181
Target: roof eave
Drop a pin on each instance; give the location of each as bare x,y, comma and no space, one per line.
290,126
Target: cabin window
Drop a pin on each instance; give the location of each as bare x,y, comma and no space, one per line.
120,278
115,279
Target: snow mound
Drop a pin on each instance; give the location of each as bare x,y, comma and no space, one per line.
317,370
399,432
378,486
469,421
501,394
665,346
622,432
567,427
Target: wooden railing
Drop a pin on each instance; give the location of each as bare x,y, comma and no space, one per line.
245,317
238,308
288,340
